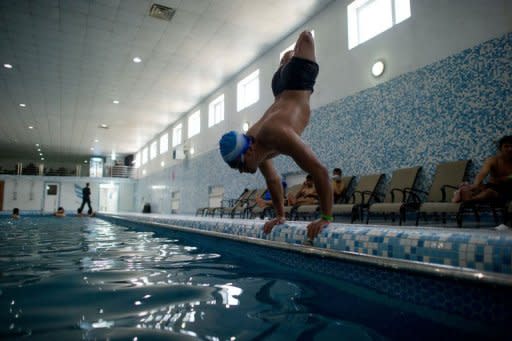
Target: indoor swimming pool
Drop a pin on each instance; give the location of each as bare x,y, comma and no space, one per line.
92,279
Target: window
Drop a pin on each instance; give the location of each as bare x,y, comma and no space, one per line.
248,90
137,160
194,124
216,111
291,47
176,135
152,150
368,18
164,143
144,155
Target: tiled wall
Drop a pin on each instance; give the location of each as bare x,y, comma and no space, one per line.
453,109
489,251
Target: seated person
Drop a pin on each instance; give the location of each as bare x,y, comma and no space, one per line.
266,200
307,194
15,213
499,184
60,212
338,186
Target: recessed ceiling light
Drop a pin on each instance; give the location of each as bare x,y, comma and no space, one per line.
85,161
42,159
162,164
37,144
40,154
8,66
23,105
38,149
96,140
30,127
115,101
137,60
92,148
104,126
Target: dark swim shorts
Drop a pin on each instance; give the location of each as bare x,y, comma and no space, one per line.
297,74
504,190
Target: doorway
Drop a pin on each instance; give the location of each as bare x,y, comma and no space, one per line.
51,196
109,197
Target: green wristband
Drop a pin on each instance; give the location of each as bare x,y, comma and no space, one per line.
326,217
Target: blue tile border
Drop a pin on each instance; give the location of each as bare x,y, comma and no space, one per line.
482,250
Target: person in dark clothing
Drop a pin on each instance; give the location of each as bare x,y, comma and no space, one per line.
86,199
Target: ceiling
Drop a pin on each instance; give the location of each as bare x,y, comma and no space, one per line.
72,58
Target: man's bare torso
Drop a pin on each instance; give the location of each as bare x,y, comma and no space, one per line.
500,167
289,114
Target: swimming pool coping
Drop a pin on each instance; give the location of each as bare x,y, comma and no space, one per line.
439,270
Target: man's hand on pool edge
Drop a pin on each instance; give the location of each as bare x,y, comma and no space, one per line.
315,227
269,225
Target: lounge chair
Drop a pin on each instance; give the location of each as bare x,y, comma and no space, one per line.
309,212
364,193
201,211
447,178
227,206
399,197
239,206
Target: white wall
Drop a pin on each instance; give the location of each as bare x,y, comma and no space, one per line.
27,192
435,30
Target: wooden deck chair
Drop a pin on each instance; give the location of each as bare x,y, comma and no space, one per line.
363,194
310,212
399,195
447,178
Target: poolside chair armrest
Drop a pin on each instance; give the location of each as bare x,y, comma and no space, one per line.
443,190
412,192
399,190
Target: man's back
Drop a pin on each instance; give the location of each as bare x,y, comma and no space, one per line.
86,193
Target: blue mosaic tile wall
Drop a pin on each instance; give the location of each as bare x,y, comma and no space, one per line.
489,251
453,109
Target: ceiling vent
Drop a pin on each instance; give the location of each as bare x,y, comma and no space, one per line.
161,12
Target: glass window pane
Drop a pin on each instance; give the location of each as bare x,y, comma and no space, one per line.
152,150
164,143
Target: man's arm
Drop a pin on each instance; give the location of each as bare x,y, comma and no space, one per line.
274,186
293,146
276,192
484,171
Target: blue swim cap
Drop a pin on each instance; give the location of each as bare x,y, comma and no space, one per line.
232,146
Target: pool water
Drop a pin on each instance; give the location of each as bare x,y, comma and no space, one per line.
89,279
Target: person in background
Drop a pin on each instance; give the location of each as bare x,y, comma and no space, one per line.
86,199
60,212
339,188
279,131
15,213
306,195
498,171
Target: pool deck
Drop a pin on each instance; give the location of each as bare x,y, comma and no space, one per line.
484,255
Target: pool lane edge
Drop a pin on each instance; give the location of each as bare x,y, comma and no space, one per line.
437,270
